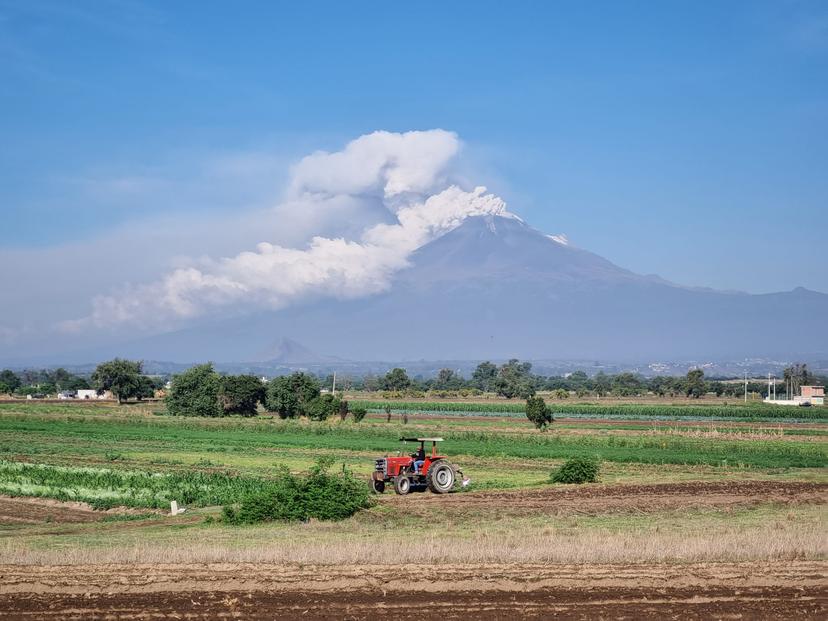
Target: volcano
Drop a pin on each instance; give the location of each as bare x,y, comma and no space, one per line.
494,287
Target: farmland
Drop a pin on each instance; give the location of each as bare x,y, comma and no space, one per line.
717,494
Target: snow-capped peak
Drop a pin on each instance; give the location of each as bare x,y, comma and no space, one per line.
561,239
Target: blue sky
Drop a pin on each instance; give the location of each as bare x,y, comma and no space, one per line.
688,139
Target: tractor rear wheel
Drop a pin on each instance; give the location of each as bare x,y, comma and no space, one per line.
402,485
377,486
441,477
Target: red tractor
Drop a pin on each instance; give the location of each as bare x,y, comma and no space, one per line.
417,471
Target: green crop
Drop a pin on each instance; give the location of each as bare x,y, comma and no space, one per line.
104,488
632,411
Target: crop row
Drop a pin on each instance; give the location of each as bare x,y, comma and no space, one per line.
104,488
94,435
760,410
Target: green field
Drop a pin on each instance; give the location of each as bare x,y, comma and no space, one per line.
139,457
736,410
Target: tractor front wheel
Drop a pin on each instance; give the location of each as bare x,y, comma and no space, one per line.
377,486
441,477
402,485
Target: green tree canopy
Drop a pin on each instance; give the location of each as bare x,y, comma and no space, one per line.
514,379
9,382
241,394
290,395
195,392
447,379
119,376
694,383
396,379
324,406
484,376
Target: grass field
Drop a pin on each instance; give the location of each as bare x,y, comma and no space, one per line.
136,456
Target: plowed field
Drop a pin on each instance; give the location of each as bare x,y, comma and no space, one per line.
600,499
791,590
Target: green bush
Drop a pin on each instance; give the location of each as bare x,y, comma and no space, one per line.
577,470
358,412
538,412
290,498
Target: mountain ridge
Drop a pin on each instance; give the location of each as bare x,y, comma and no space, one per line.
494,287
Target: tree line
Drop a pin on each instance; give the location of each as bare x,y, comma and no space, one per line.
201,391
300,393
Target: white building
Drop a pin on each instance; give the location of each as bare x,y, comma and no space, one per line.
93,394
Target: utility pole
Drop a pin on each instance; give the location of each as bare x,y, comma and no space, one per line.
745,386
333,390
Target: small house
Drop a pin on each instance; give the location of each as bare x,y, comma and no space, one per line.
815,395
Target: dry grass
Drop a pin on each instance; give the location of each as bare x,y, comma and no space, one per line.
775,540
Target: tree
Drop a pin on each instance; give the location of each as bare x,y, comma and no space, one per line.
484,376
195,393
796,376
358,412
447,379
343,409
240,394
560,393
146,388
121,377
396,379
601,384
323,406
627,384
514,379
694,383
9,382
290,395
538,412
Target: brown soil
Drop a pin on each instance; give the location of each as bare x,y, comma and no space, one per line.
38,510
46,510
790,590
597,499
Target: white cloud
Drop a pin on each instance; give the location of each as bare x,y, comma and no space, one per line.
408,174
385,164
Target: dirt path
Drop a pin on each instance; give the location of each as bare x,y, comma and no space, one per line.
601,499
37,510
790,590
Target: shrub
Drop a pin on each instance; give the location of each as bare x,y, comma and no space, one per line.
195,393
319,494
538,412
577,470
358,413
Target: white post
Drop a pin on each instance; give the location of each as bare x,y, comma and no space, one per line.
333,391
174,507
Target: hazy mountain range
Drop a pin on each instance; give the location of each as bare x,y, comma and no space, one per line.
495,288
